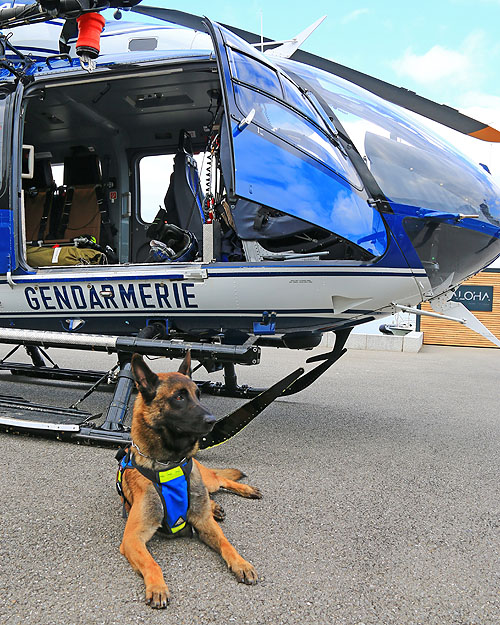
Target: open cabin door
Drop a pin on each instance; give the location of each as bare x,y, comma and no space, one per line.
11,169
281,150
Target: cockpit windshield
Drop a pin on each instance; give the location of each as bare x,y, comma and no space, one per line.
411,164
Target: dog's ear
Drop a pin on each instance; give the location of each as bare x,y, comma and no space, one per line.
185,367
146,380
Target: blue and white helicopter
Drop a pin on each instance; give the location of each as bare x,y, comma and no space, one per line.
323,204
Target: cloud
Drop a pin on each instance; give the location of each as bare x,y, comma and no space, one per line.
350,17
482,106
444,65
436,64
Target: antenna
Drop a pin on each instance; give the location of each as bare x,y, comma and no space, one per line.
261,30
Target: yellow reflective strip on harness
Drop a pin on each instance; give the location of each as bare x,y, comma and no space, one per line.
171,474
177,528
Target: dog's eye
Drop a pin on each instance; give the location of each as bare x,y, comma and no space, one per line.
179,397
198,393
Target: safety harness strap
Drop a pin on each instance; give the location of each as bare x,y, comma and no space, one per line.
108,230
46,210
68,202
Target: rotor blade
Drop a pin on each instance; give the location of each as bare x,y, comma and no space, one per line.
189,20
171,15
440,113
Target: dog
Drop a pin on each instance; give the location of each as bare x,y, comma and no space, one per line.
167,422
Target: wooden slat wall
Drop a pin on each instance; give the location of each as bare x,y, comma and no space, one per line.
440,332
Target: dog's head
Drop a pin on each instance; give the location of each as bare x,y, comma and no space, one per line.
169,403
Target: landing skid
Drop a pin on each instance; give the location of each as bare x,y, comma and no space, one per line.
19,415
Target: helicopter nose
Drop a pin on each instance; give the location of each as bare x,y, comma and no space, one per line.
449,254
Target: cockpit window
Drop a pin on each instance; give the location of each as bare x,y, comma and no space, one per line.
256,74
259,87
282,121
283,154
412,165
295,98
251,72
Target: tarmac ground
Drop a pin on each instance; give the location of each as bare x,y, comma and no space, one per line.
381,503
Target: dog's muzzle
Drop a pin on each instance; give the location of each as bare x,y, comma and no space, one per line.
209,421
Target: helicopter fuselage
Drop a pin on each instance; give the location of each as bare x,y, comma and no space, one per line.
331,230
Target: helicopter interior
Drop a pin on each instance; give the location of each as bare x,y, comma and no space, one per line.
116,152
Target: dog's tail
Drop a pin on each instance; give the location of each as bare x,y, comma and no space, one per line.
229,474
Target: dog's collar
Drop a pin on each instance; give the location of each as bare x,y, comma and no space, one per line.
164,464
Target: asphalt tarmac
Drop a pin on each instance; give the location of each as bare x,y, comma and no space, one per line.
381,504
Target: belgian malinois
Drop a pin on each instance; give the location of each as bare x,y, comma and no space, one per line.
168,421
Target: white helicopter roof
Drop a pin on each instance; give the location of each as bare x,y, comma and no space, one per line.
42,40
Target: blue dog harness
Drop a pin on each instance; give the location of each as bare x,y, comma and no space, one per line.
172,485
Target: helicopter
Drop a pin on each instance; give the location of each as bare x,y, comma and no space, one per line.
322,204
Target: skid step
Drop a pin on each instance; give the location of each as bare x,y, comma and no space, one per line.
18,414
51,373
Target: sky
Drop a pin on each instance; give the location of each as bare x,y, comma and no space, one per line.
445,50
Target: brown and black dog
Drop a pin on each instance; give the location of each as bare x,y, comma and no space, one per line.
167,422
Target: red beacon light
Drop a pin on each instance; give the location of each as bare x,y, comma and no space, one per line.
90,27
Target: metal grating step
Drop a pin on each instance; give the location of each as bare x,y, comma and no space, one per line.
15,412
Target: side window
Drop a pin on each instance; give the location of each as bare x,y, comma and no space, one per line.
257,86
248,70
154,179
295,129
251,72
294,97
58,173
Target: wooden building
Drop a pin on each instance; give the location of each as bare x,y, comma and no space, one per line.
481,294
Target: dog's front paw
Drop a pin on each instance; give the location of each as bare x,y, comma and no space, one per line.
254,493
244,572
157,596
